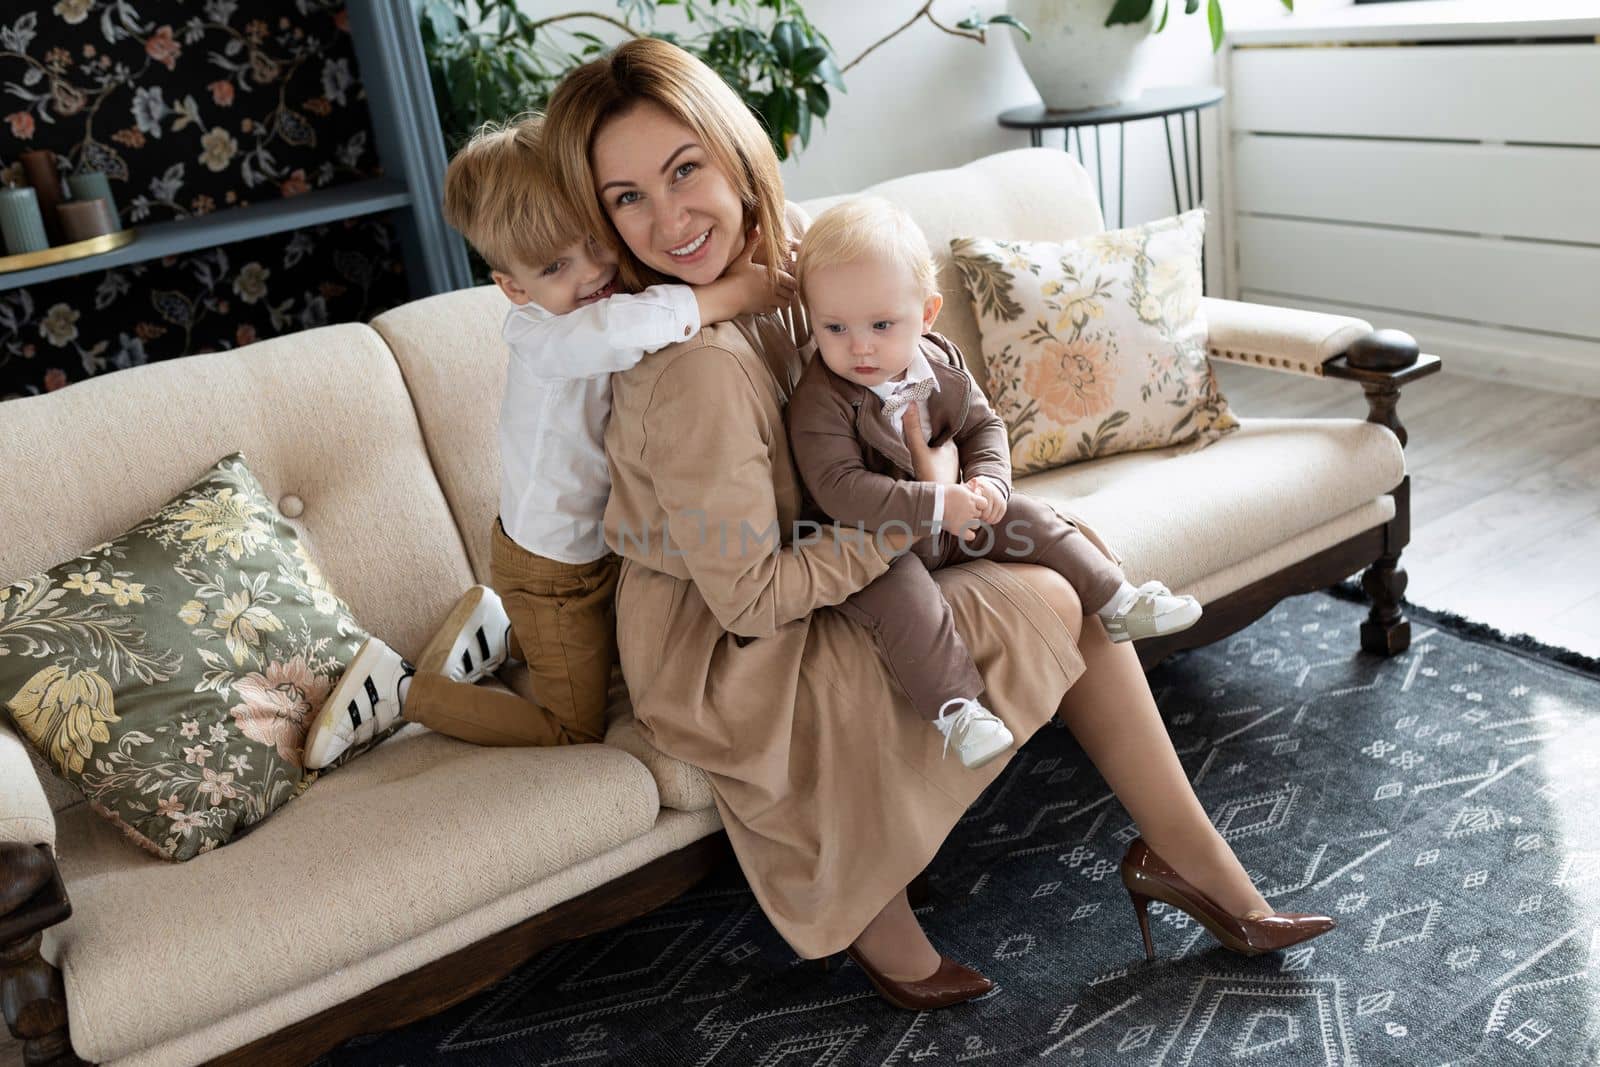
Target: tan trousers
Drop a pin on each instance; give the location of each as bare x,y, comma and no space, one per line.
563,625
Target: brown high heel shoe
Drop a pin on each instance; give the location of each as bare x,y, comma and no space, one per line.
952,983
1147,877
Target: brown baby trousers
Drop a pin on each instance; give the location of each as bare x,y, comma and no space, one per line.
914,626
564,626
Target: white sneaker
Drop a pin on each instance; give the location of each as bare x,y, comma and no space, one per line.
364,702
979,736
1154,611
473,641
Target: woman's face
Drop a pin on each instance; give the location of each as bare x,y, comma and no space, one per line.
673,207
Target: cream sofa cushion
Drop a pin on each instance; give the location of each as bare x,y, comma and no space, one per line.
412,836
1181,515
1031,194
25,815
673,830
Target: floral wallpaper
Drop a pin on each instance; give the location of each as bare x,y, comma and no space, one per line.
189,108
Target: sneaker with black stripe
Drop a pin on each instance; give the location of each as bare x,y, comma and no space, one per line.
473,641
365,701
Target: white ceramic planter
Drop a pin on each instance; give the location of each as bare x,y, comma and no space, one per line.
1075,60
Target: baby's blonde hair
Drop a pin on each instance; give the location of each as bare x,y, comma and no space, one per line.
501,193
865,227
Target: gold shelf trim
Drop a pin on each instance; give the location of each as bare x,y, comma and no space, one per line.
63,253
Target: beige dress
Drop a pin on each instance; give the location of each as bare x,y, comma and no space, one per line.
834,792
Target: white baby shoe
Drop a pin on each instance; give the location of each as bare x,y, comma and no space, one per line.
473,641
365,701
979,736
1153,611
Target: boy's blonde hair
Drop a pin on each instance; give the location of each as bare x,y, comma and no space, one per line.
502,195
655,71
865,227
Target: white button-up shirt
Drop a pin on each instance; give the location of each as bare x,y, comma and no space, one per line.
554,482
917,371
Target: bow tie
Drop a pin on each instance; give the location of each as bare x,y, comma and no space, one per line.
906,394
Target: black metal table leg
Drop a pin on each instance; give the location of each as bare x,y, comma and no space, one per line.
1099,172
1172,166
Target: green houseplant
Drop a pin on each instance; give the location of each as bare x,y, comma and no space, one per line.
489,60
1133,11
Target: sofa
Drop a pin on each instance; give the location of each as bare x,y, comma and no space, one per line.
428,868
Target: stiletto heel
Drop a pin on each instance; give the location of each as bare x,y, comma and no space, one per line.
1148,877
1140,903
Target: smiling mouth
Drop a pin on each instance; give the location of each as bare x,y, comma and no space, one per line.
692,247
608,289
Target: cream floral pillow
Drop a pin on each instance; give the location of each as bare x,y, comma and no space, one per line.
170,674
1096,346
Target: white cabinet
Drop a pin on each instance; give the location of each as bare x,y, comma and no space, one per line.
1436,170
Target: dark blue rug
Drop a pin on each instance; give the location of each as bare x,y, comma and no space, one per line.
1442,804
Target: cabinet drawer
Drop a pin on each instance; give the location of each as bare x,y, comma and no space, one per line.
1532,93
1544,193
1543,287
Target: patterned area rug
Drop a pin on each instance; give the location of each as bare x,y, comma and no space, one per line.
1442,804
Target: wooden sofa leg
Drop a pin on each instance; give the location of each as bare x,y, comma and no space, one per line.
1381,362
1386,630
35,1004
32,996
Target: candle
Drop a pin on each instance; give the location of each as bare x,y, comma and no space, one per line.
92,184
40,167
83,219
21,225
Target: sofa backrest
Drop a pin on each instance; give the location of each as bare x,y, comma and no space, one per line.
1031,194
322,415
451,353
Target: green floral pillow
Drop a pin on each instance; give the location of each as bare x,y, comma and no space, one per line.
1096,346
170,674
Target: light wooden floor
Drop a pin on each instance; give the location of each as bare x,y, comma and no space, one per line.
1505,494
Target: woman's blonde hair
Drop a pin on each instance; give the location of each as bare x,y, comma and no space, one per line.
647,69
867,227
501,193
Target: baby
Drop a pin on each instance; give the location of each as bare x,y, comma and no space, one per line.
553,577
868,282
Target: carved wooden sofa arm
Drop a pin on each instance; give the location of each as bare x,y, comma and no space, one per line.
32,898
1336,346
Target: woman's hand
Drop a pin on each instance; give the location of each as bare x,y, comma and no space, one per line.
942,464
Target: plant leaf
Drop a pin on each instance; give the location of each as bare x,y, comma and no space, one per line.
1214,16
1004,19
1129,11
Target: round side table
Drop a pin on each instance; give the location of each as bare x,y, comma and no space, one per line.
1160,104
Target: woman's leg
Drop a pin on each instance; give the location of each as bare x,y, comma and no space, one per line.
1114,717
895,944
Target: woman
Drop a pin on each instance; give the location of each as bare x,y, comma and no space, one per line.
833,793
